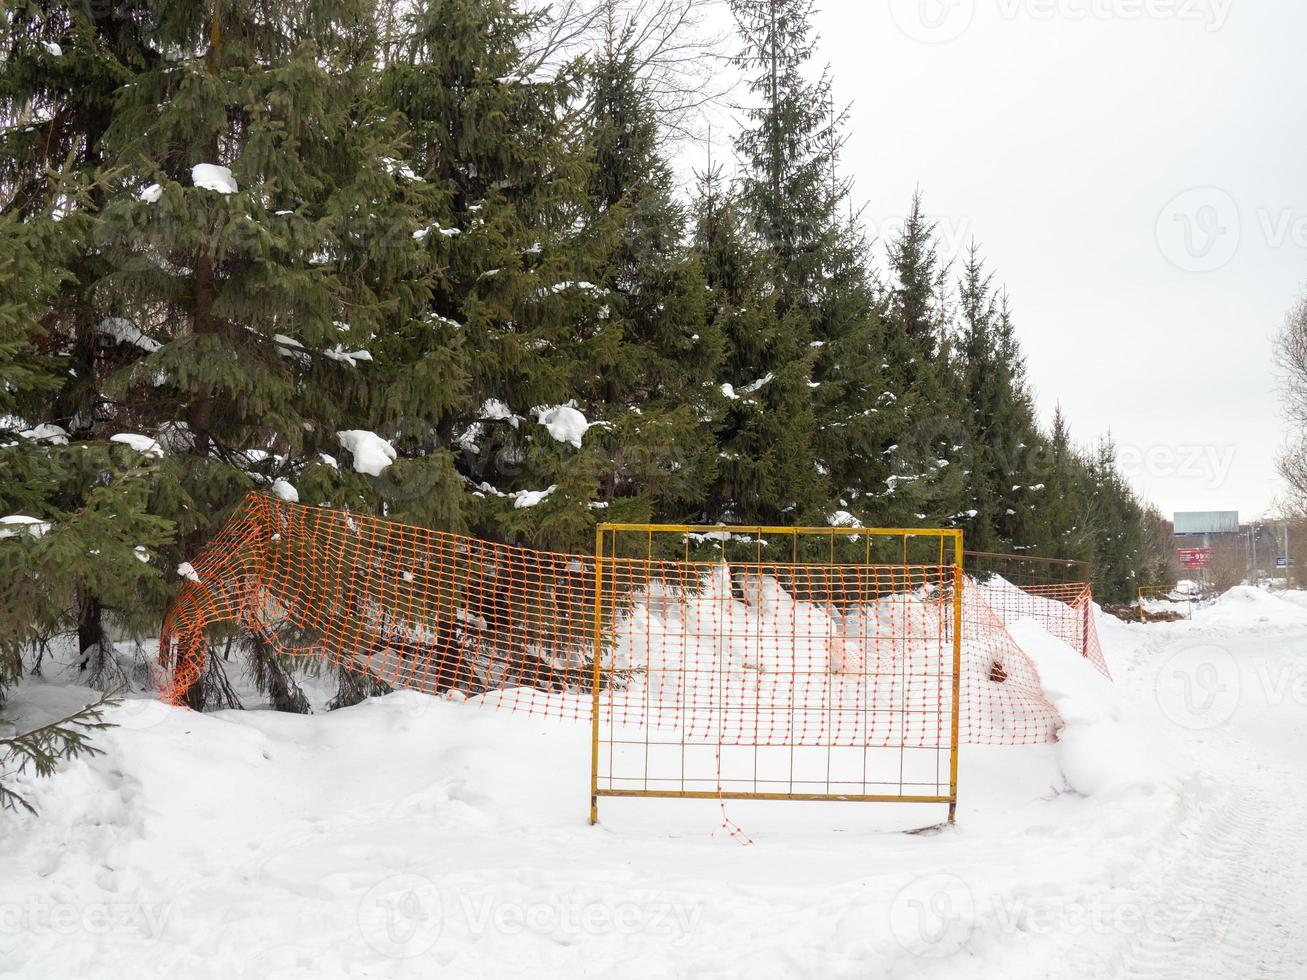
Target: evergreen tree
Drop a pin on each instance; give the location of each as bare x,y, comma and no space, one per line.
765,427
515,307
652,362
259,238
930,458
62,67
1002,434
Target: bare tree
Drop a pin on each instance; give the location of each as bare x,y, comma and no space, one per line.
676,47
1291,359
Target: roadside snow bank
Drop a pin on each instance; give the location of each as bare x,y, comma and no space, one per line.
1248,609
1107,744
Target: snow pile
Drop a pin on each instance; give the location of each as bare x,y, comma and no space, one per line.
213,177
17,524
1246,608
142,444
564,422
530,498
152,193
372,454
56,435
126,332
283,489
1107,745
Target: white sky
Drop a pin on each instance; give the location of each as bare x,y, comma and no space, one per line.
1134,171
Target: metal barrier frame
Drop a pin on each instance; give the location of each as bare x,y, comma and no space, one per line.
945,535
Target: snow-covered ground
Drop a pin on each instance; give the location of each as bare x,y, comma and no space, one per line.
417,837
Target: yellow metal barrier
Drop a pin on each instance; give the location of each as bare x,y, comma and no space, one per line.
776,663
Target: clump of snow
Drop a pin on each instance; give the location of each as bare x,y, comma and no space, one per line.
529,498
372,454
1107,745
52,48
142,444
494,410
348,357
213,177
151,194
17,524
564,422
187,571
141,554
56,435
126,332
285,490
327,460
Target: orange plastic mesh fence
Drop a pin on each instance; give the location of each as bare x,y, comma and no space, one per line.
725,654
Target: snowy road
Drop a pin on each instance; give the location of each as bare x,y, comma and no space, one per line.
1229,891
410,837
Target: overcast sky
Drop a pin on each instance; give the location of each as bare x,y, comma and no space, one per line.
1136,173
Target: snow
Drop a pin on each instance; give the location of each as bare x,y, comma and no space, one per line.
1106,744
564,422
530,498
152,193
15,525
494,410
413,836
52,48
1247,609
126,332
372,454
49,432
142,444
187,571
212,177
283,489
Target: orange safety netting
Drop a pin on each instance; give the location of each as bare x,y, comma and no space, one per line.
725,654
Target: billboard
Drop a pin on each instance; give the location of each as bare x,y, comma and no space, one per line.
1207,522
1195,559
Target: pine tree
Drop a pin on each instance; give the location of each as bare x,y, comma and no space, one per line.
62,68
259,238
515,306
1003,437
652,362
930,458
765,423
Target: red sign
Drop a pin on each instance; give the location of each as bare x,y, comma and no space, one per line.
1195,558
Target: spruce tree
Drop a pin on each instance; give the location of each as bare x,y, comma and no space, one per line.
259,239
652,363
930,458
765,426
515,301
62,67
